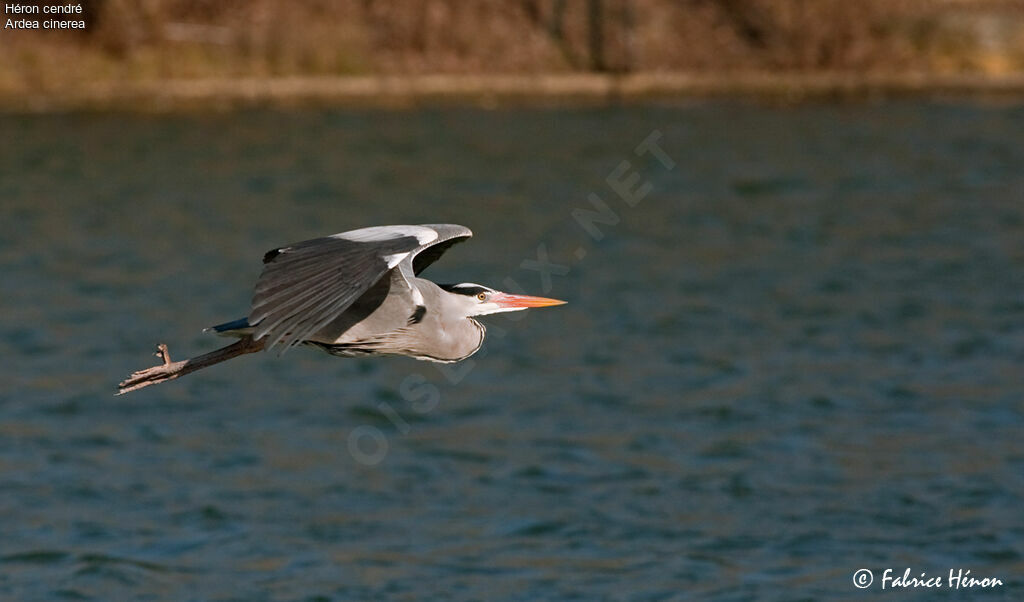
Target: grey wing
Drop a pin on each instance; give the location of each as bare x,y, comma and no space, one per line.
447,235
306,285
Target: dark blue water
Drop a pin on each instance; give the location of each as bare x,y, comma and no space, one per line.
799,355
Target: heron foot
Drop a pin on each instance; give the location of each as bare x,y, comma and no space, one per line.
163,353
167,370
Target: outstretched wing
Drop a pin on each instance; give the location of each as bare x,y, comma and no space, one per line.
447,235
306,285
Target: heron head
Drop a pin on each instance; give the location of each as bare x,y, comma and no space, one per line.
479,300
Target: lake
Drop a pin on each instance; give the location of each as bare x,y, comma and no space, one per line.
793,349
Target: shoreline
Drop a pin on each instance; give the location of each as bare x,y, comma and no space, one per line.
488,91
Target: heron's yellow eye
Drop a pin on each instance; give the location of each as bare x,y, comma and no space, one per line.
482,296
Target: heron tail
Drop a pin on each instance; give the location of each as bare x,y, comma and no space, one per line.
235,327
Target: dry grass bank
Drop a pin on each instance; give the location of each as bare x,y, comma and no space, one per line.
162,50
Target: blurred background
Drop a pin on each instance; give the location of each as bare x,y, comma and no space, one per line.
131,50
799,355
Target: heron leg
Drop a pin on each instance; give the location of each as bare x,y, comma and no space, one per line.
169,370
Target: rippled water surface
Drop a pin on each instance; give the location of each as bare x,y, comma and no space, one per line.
798,356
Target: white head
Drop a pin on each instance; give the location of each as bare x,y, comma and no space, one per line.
478,300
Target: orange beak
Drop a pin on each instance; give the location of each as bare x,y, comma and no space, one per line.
518,301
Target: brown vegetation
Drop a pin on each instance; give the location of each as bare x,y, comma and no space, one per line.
132,41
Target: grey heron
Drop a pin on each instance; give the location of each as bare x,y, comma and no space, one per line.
353,294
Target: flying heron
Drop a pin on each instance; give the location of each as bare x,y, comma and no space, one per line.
356,294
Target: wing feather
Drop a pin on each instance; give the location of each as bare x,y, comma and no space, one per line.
447,236
307,285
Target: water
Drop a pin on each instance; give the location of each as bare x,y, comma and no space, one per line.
800,355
